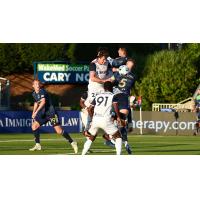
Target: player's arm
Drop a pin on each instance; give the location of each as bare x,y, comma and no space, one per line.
41,105
91,108
91,111
116,63
35,106
82,105
94,78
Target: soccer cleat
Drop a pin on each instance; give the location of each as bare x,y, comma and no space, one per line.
75,147
128,149
37,147
109,143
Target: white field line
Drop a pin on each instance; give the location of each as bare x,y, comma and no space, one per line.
82,138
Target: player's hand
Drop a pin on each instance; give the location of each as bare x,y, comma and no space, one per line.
34,115
115,69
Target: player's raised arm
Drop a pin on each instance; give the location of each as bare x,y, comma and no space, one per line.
94,78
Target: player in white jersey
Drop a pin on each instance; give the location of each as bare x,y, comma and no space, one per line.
100,72
100,111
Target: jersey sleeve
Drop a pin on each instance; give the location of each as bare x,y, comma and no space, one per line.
92,67
43,94
117,62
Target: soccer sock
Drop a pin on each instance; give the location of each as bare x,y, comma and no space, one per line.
67,137
118,146
129,116
37,136
86,147
124,133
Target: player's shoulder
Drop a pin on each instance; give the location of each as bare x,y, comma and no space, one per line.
92,66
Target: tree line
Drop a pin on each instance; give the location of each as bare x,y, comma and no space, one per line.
163,75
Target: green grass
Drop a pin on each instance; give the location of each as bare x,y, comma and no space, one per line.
18,144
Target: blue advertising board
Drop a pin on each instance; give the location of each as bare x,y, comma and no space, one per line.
20,122
61,72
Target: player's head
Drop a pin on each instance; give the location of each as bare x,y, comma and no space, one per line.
108,86
103,50
130,64
102,58
122,52
36,85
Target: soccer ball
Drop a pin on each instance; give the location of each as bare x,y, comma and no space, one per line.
123,70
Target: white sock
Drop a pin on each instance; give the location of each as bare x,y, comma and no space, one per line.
113,141
125,143
86,147
118,146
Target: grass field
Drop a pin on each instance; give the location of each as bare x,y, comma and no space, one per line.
18,144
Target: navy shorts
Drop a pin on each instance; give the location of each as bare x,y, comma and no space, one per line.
44,117
122,100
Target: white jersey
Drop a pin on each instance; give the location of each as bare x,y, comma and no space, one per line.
103,104
102,72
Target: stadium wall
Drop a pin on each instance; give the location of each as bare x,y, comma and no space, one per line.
166,123
152,122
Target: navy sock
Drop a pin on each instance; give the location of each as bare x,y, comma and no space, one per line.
37,136
124,133
129,116
67,137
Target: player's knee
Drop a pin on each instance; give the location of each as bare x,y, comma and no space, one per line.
59,131
116,135
34,127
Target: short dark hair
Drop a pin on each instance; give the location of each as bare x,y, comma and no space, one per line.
108,86
102,51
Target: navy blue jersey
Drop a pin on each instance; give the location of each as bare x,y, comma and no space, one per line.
48,107
117,62
123,83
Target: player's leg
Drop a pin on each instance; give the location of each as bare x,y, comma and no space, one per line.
35,128
91,136
130,124
59,130
110,128
123,130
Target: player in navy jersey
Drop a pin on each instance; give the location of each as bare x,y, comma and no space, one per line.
123,82
121,60
43,112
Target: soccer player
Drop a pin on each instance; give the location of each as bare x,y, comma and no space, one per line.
100,111
116,63
197,110
99,73
121,60
86,119
43,112
123,81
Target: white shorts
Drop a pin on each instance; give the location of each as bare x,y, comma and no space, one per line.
105,124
